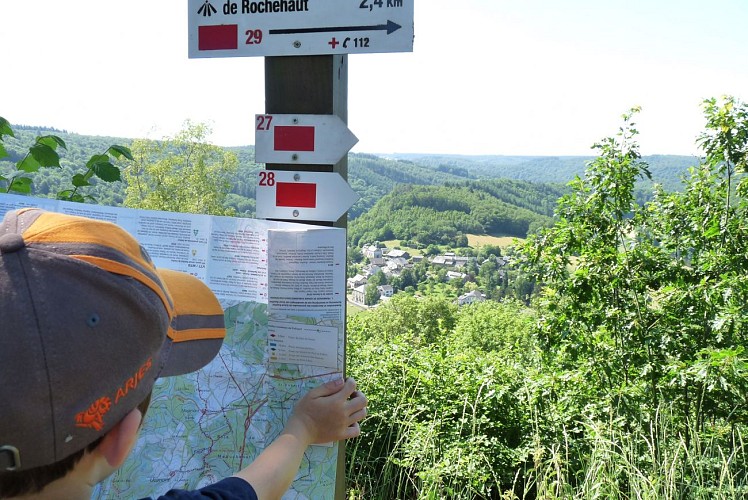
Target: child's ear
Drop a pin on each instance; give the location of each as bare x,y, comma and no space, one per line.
118,442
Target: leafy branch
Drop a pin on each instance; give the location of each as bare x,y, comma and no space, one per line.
44,154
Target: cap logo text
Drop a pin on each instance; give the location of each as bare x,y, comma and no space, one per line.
132,382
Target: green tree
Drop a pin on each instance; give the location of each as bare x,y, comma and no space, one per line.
371,294
355,255
243,207
461,241
643,308
407,278
377,279
488,276
181,174
488,251
432,250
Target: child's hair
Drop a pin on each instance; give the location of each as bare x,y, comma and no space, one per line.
31,481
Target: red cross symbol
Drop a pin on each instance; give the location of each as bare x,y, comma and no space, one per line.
333,43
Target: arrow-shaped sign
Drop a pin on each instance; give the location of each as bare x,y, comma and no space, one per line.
302,139
390,27
303,196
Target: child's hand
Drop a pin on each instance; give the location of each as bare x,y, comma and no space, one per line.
329,412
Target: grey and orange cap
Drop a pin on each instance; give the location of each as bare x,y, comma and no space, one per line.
87,324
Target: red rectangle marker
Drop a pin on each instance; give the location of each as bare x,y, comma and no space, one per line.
296,194
293,138
218,37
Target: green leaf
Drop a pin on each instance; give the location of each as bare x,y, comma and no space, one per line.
21,185
5,128
106,171
120,151
45,155
79,180
103,168
713,230
52,141
77,197
3,151
28,164
96,159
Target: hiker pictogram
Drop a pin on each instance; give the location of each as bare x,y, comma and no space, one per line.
207,9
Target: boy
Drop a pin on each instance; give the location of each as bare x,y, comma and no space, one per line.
87,324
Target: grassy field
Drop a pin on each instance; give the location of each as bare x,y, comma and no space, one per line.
474,240
396,243
353,309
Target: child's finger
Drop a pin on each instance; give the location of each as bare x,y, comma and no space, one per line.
354,430
359,415
357,401
347,391
327,389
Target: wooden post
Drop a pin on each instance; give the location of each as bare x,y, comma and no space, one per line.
313,85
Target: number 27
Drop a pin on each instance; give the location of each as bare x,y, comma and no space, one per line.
263,122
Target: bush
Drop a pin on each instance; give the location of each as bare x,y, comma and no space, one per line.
447,419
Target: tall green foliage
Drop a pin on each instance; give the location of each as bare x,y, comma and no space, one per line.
644,307
447,407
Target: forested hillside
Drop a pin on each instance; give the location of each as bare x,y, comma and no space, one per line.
667,170
374,177
370,176
444,215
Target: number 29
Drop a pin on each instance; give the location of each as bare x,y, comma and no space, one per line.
254,37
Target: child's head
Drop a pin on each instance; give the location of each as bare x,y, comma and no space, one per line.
87,324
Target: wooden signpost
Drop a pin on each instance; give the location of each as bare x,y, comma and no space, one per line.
306,45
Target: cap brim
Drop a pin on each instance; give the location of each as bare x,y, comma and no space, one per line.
197,329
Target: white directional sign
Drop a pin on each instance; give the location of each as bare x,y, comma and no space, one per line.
302,139
303,196
235,28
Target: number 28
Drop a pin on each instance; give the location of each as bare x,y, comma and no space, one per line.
267,178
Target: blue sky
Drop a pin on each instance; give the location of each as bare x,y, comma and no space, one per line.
505,77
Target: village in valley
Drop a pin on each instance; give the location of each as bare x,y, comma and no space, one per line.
382,272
